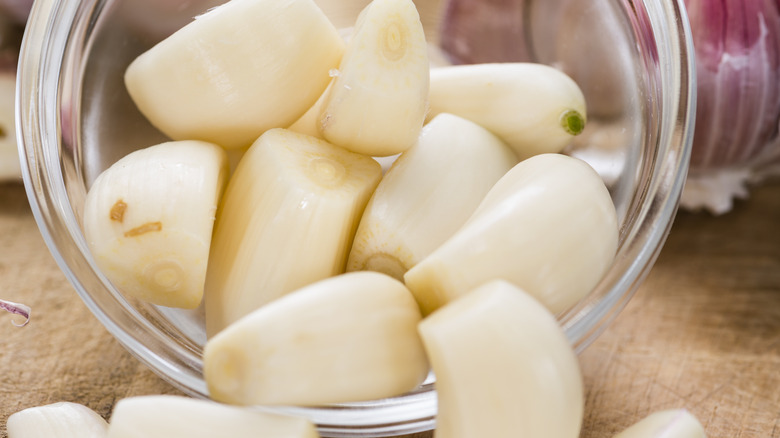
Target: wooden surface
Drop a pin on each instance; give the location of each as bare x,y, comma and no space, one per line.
702,333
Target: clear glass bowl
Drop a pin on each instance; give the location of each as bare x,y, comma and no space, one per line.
633,60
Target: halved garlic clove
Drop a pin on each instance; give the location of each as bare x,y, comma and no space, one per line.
533,107
287,219
503,366
348,338
236,71
57,420
167,416
673,423
549,226
377,102
148,220
427,194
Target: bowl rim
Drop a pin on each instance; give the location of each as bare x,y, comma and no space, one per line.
39,138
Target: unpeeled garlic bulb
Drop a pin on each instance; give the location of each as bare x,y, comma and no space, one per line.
736,139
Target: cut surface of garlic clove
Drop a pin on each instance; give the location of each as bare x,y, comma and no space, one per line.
377,102
349,338
57,420
287,219
549,226
167,416
427,194
148,220
503,366
533,107
236,71
673,423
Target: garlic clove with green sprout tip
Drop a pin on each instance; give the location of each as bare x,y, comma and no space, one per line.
168,416
673,423
504,367
737,46
57,420
533,107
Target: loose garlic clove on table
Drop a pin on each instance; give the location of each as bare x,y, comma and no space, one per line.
165,416
549,226
348,338
427,194
674,423
534,108
148,220
57,420
503,366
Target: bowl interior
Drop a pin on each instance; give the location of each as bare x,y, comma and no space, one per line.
631,59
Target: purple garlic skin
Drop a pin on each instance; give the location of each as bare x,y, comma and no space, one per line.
17,10
737,45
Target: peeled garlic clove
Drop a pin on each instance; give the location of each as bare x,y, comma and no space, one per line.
377,102
534,108
548,226
348,338
287,219
675,423
166,416
236,71
57,420
503,366
148,220
427,194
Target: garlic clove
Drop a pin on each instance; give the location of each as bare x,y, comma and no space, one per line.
548,226
377,102
287,219
167,416
503,366
348,338
427,194
674,423
148,220
57,420
236,71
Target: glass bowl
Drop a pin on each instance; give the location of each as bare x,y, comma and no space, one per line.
632,59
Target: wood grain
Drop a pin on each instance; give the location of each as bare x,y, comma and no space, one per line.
702,333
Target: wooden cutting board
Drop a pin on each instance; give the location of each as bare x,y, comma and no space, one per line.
702,333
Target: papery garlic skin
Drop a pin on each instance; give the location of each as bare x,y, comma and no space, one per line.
57,420
348,338
504,367
427,194
167,416
236,71
548,226
673,423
